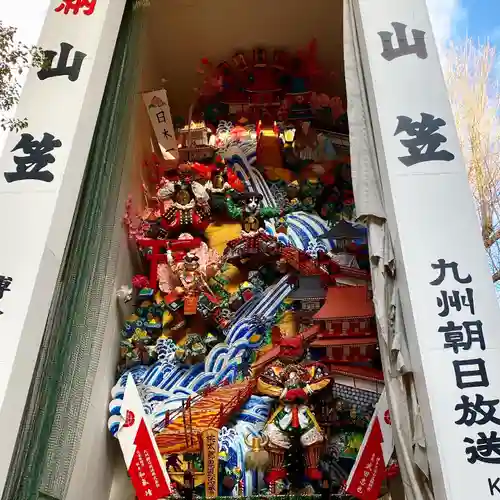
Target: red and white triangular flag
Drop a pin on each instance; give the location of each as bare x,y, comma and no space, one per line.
140,451
365,479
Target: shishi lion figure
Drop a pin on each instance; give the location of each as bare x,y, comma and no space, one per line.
293,381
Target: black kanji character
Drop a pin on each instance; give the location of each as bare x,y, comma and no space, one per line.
62,68
442,265
390,53
456,301
5,283
166,134
30,167
423,147
161,117
456,338
75,6
479,375
480,412
483,448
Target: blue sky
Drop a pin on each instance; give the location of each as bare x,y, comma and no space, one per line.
481,18
454,19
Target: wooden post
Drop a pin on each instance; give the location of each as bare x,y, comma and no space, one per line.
210,439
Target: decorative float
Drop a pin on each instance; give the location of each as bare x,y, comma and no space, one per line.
252,342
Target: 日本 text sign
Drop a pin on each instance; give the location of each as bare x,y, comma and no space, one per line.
158,109
449,304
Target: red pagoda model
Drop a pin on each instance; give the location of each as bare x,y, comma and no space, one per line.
347,311
346,330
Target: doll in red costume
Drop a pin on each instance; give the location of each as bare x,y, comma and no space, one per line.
186,206
292,382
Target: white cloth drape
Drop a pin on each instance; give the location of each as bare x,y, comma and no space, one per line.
405,415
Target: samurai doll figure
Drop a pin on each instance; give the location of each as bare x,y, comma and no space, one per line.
250,212
209,263
192,282
223,184
292,382
187,208
254,244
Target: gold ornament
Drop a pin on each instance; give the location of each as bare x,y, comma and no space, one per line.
257,458
251,224
183,197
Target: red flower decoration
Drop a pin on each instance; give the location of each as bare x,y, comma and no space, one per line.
140,281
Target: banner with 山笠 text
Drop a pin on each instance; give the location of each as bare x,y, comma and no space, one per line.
448,300
41,171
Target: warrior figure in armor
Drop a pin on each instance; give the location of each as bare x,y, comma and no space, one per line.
250,212
191,279
254,241
292,382
191,285
186,206
224,183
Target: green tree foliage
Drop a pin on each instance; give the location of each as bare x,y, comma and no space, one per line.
15,58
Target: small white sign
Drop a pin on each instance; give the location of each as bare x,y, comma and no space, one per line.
156,103
449,303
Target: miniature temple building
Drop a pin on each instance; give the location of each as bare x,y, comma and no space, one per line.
352,383
346,331
349,240
194,142
344,234
198,137
348,311
263,86
341,350
307,298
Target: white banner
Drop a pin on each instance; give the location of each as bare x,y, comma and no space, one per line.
156,103
449,304
41,171
140,451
